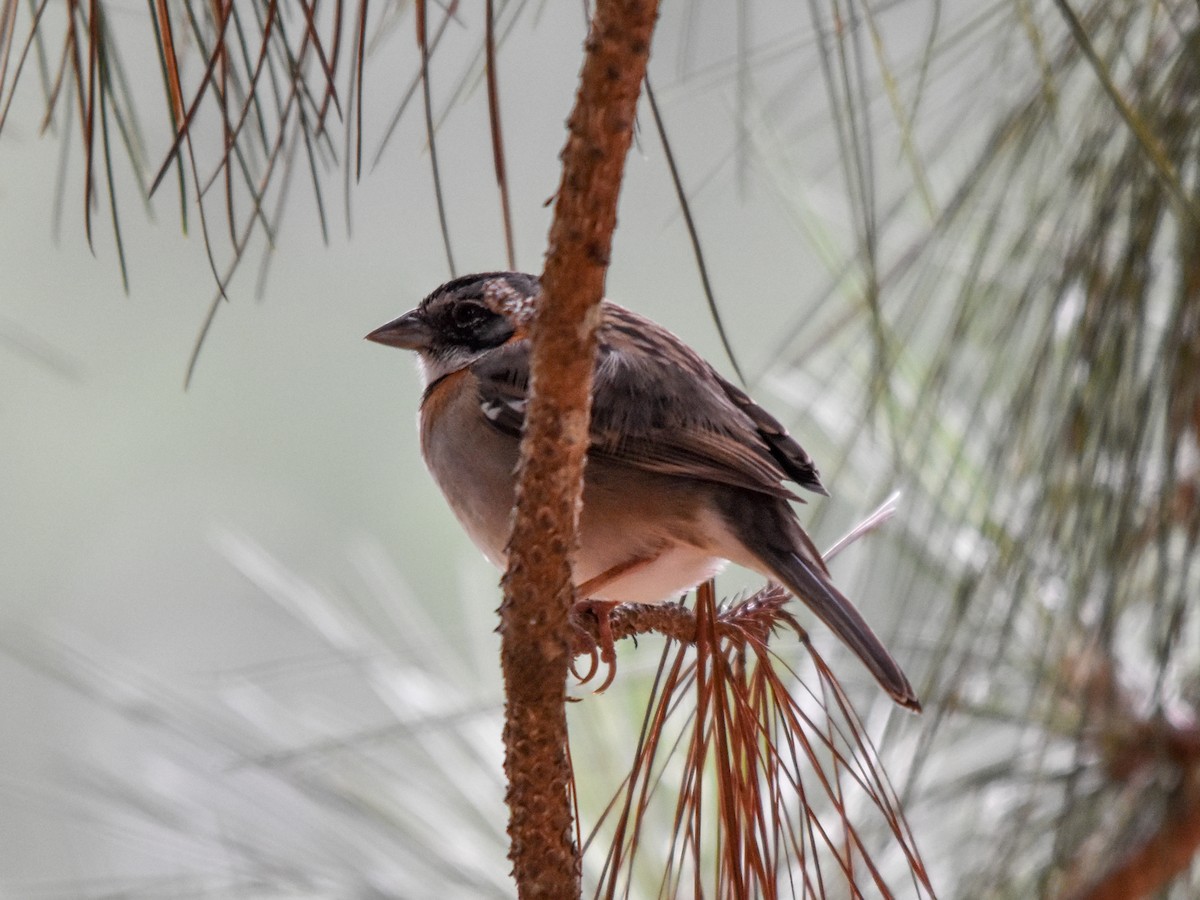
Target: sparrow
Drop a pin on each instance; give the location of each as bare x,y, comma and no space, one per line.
685,472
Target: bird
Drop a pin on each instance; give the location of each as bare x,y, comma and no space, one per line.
684,473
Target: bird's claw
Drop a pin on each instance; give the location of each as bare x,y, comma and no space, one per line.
591,672
603,648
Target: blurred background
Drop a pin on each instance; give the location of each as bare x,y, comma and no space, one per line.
248,652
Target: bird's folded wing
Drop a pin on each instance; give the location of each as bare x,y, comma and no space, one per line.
667,412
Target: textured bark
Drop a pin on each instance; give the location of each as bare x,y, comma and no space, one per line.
537,587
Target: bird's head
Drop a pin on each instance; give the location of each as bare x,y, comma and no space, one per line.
462,320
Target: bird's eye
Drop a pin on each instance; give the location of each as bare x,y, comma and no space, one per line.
466,315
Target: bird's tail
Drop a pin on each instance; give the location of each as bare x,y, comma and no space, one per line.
800,568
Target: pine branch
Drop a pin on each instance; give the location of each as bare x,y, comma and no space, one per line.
751,619
538,586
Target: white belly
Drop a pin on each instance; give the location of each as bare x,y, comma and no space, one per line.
671,575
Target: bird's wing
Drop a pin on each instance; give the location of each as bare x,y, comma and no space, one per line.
658,406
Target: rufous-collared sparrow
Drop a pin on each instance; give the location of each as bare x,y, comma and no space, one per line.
684,470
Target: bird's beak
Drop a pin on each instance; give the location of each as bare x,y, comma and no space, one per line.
409,332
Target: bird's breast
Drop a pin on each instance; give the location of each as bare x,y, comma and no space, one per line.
472,463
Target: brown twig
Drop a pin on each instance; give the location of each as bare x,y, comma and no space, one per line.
538,585
1130,745
1167,853
752,619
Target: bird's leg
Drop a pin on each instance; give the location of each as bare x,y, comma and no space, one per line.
602,610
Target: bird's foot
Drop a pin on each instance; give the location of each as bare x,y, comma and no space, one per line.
603,648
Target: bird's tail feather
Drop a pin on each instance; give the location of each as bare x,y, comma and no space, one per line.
809,581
